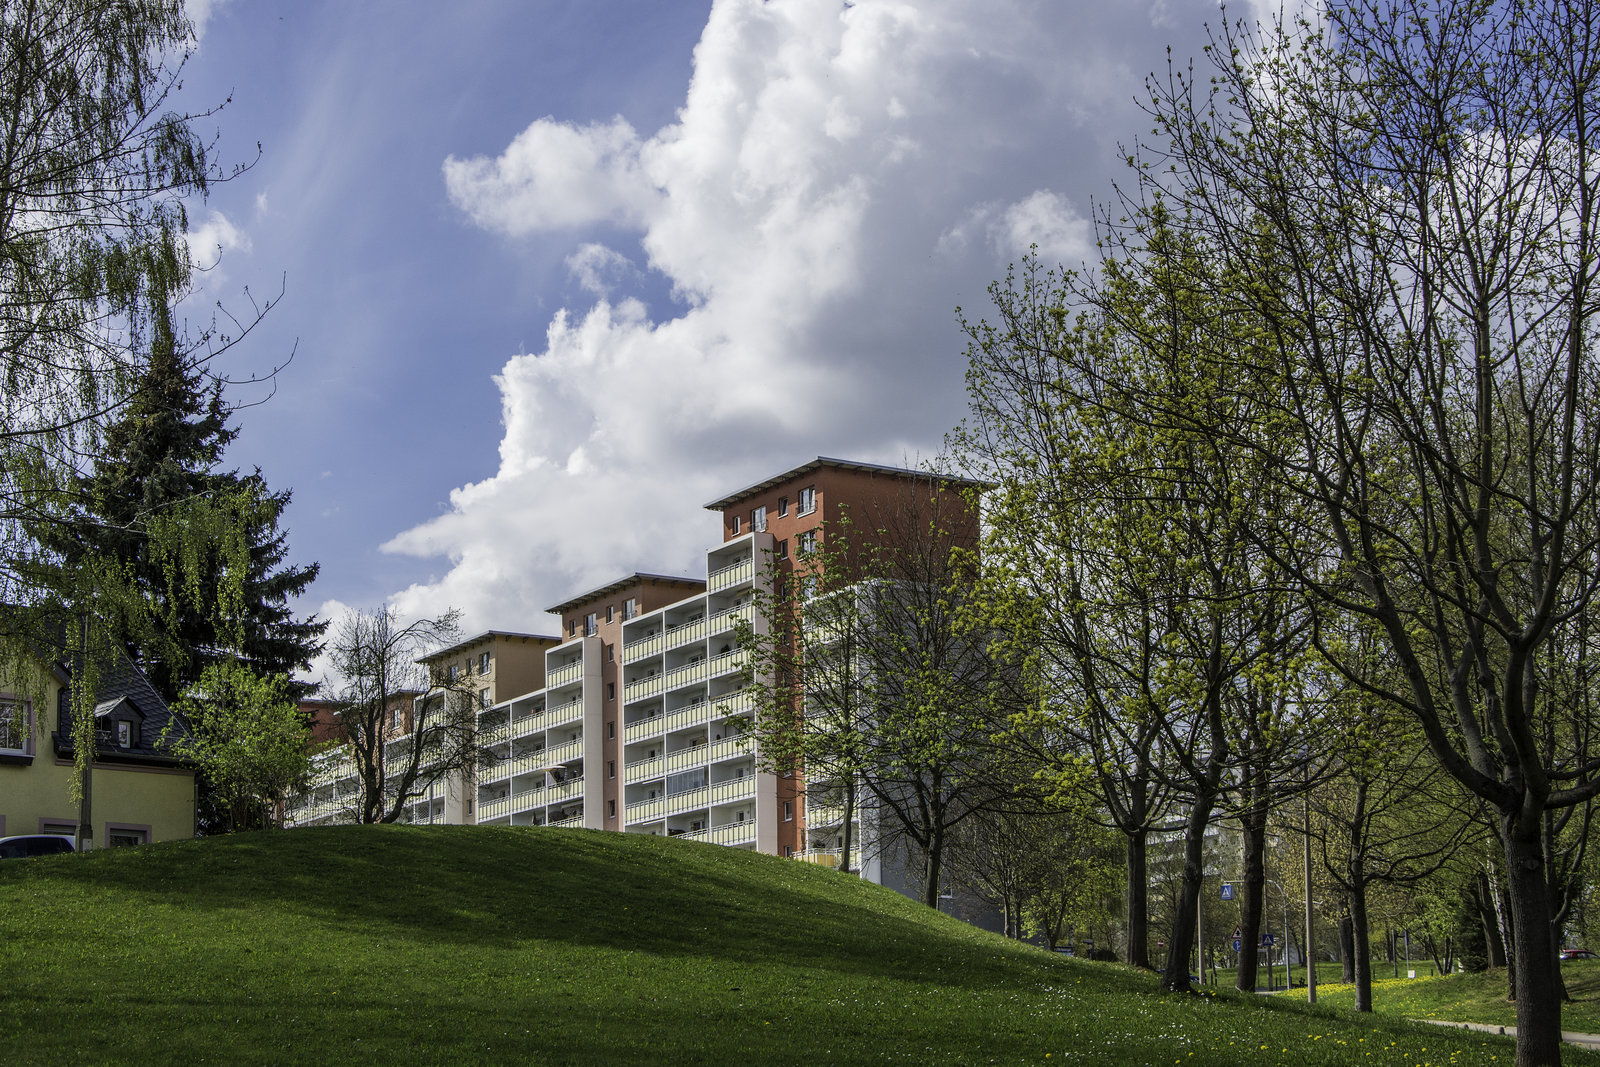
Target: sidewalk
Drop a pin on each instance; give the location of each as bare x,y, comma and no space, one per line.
1588,1041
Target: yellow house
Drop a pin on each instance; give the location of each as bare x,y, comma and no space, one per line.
139,791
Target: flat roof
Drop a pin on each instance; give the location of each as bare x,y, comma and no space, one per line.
617,586
486,635
841,464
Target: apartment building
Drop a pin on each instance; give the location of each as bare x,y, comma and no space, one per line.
635,717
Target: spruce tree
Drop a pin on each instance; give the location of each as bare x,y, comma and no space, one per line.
160,456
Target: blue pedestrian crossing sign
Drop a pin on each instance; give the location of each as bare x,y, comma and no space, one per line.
1268,939
1227,890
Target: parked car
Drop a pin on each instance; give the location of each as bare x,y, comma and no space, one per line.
1578,954
25,845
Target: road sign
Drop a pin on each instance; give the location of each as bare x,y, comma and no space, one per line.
1237,931
1268,939
1236,944
1227,890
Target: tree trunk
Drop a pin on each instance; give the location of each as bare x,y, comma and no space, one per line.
1254,824
1538,1003
1347,948
849,815
1360,946
1137,894
1180,941
1489,916
935,860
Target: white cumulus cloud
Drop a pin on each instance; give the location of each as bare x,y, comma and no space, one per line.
837,180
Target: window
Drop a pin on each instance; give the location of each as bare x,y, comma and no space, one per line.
611,650
611,690
806,543
611,612
483,698
611,768
808,500
611,728
124,734
454,672
736,524
590,623
14,722
758,520
783,506
483,663
788,811
118,836
611,808
630,608
783,549
572,628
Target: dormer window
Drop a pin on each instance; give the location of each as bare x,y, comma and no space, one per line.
124,734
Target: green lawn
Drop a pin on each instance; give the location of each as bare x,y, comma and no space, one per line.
493,945
1478,998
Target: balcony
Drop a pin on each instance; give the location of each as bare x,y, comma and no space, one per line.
494,735
727,577
827,815
728,662
732,792
562,714
528,725
732,704
564,675
684,633
827,857
572,787
733,833
511,768
643,647
645,811
723,621
576,820
510,805
694,756
563,753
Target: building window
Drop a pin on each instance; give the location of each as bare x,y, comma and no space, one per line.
611,690
736,526
788,811
611,768
572,628
483,663
783,549
630,608
808,500
783,506
454,672
15,735
806,543
611,808
483,698
119,836
611,652
758,520
124,734
590,624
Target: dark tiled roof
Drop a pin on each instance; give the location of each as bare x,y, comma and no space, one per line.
121,680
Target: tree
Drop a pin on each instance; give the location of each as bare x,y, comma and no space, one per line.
160,456
248,740
1406,199
407,727
94,172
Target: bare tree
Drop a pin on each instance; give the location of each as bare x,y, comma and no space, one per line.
407,727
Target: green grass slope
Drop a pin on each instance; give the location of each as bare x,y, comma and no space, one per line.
495,945
1478,998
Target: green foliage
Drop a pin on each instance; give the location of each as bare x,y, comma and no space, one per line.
411,944
248,739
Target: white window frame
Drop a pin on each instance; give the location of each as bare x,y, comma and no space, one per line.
758,520
8,700
808,500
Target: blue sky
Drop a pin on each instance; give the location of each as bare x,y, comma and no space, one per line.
556,273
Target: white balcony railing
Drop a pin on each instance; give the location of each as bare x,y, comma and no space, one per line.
733,833
742,571
573,672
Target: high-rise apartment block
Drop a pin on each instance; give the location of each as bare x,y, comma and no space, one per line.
636,718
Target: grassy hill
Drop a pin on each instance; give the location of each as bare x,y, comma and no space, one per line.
495,945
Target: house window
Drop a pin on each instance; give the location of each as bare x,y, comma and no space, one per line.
758,520
806,543
59,829
611,728
736,526
808,500
611,690
788,811
590,624
126,836
611,650
611,808
572,628
611,612
611,768
483,698
483,663
455,672
124,734
14,721
630,608
783,549
783,506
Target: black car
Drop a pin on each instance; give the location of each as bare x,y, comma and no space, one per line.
25,845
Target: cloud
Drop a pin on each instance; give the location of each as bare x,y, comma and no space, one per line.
200,12
215,236
838,179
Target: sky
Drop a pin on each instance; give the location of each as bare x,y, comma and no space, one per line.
553,275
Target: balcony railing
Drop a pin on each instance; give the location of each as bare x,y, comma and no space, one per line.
494,735
724,620
511,768
827,815
728,661
573,672
733,833
576,820
734,791
563,753
645,810
562,714
642,647
742,571
572,787
693,756
685,632
828,857
695,715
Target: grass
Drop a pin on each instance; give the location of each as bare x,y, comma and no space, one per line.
496,945
1478,998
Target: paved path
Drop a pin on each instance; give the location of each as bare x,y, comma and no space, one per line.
1588,1041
